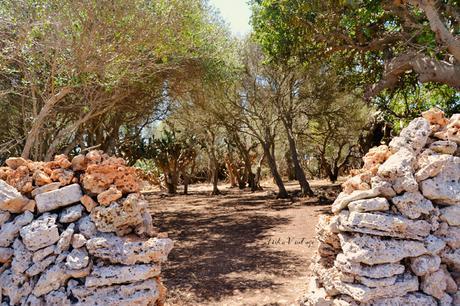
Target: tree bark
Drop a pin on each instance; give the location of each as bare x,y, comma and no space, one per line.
428,70
282,193
299,173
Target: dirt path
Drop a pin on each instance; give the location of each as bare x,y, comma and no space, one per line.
239,248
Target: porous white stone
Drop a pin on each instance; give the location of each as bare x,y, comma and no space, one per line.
40,233
45,188
344,199
367,205
434,284
55,199
372,250
374,271
86,227
78,240
119,250
42,253
139,293
413,204
71,214
444,147
383,225
77,259
63,243
10,230
398,170
425,264
15,286
5,254
118,274
451,215
22,257
445,187
55,277
413,137
40,266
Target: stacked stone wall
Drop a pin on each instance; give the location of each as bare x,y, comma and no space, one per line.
394,235
77,233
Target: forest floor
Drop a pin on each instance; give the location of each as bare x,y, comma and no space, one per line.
238,248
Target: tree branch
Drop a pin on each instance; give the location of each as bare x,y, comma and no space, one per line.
428,70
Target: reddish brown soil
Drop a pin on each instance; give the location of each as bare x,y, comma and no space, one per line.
239,248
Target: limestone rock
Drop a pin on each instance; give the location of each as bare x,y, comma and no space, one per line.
15,286
404,283
78,240
412,137
86,227
382,224
451,236
110,195
63,243
22,257
445,187
434,245
444,147
10,230
62,176
88,202
398,170
385,188
15,162
121,217
412,299
375,204
425,264
431,164
413,204
71,214
434,284
373,250
42,253
451,131
114,275
4,217
11,199
451,215
77,259
122,251
55,277
40,233
58,198
344,199
139,293
41,178
57,298
376,282
40,266
5,254
451,258
100,177
45,188
373,271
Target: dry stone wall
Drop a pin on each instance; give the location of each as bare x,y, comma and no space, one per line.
394,236
77,233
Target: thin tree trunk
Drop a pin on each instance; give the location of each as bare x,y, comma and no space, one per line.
215,176
299,173
282,193
256,185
